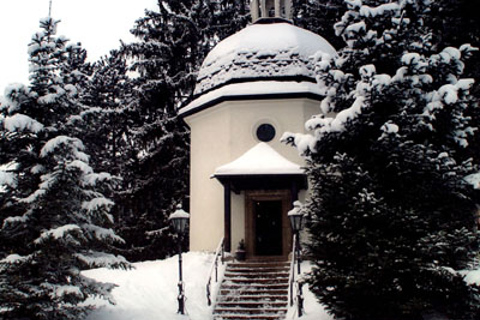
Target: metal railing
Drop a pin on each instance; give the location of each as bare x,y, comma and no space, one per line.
214,267
292,283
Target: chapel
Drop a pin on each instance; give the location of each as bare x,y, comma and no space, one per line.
252,87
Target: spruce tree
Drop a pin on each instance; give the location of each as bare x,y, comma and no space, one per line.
56,220
155,177
109,93
392,213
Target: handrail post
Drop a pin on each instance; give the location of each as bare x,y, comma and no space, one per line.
292,271
209,301
300,299
297,253
223,252
216,269
214,265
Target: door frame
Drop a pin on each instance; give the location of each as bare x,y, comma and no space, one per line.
267,195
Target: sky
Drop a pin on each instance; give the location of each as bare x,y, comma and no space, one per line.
97,24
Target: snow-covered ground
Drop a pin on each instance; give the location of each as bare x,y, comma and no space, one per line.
149,291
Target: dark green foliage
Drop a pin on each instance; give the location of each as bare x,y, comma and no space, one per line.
392,217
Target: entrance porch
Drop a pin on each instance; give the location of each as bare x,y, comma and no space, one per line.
259,189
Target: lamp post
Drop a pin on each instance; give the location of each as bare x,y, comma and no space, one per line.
179,221
296,222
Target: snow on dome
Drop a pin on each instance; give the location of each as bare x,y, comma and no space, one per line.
261,159
261,51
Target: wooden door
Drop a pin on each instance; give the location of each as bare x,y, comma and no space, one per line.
268,233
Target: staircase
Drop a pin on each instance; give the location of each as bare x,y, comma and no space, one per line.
253,290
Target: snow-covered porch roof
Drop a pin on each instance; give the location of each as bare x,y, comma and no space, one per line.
261,167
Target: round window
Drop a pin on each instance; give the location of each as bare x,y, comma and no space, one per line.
265,132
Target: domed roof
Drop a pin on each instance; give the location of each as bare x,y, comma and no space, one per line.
270,49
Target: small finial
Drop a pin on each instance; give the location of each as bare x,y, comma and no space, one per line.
50,9
254,10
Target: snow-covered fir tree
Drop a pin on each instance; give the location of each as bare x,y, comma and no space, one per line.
55,218
393,216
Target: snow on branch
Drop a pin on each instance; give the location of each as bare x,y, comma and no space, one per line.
7,179
54,144
474,180
20,122
304,143
15,95
57,233
372,12
82,166
104,233
349,114
93,179
62,291
96,259
34,196
157,233
14,258
97,203
14,221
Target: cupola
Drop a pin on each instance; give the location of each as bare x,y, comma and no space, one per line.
271,9
267,56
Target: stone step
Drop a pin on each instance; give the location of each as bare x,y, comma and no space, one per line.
259,304
235,285
235,316
253,290
257,274
259,265
257,270
253,297
255,281
246,292
251,311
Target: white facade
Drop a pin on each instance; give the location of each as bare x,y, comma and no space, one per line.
220,135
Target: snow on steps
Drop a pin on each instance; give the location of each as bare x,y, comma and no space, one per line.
253,290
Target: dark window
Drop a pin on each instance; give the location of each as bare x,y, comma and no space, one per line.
265,132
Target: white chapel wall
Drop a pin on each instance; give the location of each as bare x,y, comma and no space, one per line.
221,134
